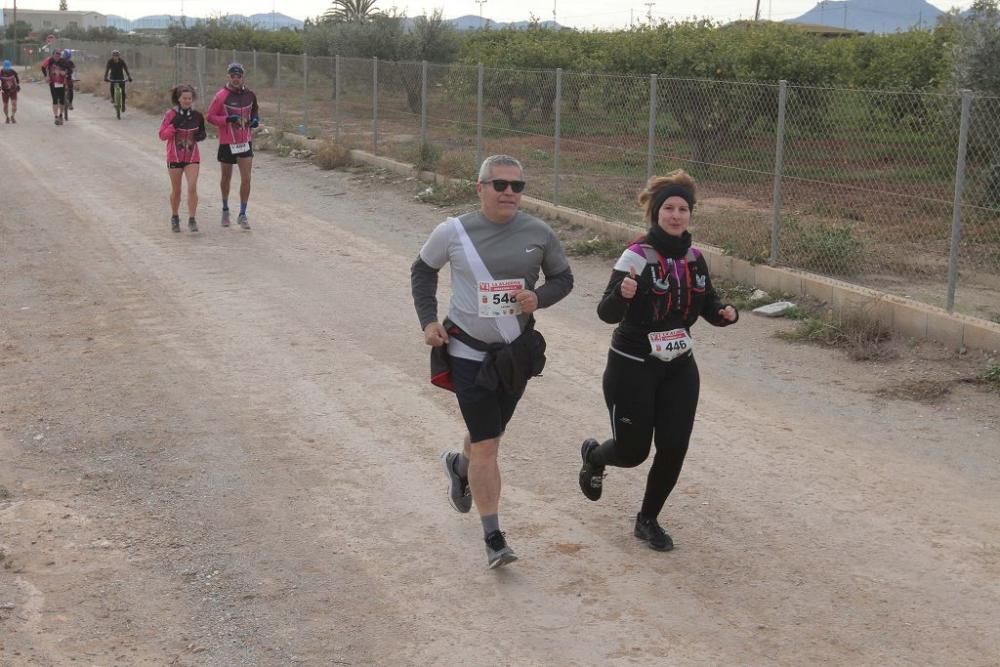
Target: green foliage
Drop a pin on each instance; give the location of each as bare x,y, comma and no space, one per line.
448,194
22,28
357,11
105,34
863,338
222,33
991,377
598,246
977,67
821,246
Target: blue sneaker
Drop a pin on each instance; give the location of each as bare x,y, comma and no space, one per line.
459,496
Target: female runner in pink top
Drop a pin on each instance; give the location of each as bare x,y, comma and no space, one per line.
182,128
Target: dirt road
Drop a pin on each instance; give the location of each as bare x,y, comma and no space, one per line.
221,449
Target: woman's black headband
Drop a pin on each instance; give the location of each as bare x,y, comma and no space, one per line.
672,190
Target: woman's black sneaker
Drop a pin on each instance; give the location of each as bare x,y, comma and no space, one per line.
591,476
175,224
650,531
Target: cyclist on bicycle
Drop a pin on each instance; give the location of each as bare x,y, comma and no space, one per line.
55,73
116,73
10,85
234,111
71,77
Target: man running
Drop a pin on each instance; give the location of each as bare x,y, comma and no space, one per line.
234,111
10,85
116,73
56,75
496,255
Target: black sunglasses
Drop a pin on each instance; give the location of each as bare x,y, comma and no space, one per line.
500,185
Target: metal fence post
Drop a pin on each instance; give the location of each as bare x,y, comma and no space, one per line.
956,213
651,140
779,167
254,62
305,93
555,156
423,103
375,104
479,118
200,60
234,56
177,66
277,86
336,96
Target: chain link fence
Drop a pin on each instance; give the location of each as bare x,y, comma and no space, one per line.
898,191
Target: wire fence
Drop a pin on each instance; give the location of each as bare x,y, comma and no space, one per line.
897,191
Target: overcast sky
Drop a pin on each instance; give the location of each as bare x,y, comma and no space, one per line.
576,13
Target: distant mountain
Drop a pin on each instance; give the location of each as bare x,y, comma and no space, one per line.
879,16
473,22
266,21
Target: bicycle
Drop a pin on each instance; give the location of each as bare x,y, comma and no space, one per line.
118,88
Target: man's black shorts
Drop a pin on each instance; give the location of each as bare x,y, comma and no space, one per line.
58,94
486,412
226,156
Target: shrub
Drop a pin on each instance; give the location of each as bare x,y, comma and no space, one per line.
332,155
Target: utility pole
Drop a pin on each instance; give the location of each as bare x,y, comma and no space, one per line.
649,11
481,3
845,16
17,60
756,14
554,11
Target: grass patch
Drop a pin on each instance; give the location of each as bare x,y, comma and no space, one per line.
991,377
597,246
331,155
821,246
448,194
458,165
4,493
860,336
922,391
424,157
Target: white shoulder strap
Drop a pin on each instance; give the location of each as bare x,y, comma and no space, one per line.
508,325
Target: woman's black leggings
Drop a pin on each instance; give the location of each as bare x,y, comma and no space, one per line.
649,401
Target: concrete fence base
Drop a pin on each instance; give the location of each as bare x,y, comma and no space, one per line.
900,315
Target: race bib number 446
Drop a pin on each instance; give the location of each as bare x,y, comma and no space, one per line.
496,297
668,345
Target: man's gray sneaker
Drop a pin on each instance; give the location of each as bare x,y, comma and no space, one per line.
459,496
498,553
244,221
225,217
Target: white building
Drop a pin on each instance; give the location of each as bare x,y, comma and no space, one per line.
48,21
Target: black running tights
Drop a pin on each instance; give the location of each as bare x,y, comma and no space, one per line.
649,401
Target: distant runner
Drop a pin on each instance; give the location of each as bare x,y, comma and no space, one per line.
56,74
10,85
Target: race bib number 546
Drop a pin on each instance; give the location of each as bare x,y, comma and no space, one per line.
496,297
668,345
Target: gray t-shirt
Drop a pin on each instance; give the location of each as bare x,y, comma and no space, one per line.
512,250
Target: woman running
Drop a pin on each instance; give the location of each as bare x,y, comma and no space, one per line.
658,289
182,128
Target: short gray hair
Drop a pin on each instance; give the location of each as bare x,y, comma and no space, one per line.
486,169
